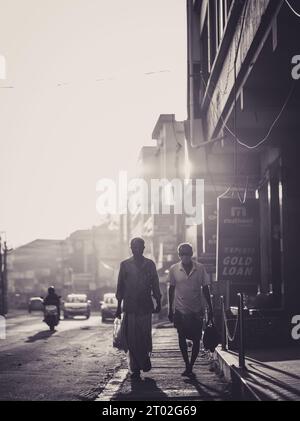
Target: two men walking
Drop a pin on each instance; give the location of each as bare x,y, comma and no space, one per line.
138,282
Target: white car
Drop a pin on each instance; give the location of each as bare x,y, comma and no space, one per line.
109,306
77,305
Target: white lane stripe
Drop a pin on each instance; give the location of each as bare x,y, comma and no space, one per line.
113,386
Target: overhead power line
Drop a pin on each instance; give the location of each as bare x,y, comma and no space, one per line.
242,143
292,9
270,129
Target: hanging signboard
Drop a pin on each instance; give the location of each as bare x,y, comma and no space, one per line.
238,245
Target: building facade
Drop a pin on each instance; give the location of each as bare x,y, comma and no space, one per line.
32,268
243,108
85,262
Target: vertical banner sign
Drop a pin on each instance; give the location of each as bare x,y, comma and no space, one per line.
238,245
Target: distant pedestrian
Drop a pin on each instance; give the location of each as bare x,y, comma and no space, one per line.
188,283
137,283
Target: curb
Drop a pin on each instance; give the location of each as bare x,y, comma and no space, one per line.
241,387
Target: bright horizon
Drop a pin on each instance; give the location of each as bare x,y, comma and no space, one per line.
90,79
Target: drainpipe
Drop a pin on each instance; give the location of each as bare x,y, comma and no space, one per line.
190,63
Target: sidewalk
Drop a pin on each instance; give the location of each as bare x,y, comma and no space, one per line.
164,381
272,374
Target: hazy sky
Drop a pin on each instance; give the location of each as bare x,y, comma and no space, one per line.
82,104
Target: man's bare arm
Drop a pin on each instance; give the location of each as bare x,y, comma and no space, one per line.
119,309
120,292
171,295
156,290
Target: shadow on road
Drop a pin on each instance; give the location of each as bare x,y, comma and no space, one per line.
143,390
39,336
206,392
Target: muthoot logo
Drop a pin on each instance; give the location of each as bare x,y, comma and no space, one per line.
296,67
296,327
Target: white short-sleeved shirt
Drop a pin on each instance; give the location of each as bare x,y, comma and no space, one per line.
188,288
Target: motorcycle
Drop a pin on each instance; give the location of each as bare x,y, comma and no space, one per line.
51,316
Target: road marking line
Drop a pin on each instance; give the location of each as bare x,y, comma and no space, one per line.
113,385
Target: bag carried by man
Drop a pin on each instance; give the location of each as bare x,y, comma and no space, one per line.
211,337
119,334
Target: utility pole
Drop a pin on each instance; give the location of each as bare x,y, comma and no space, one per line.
4,290
3,277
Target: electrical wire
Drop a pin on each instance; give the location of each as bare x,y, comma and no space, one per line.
292,9
270,129
243,201
225,192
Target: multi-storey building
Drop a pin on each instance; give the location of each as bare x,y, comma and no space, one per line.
243,124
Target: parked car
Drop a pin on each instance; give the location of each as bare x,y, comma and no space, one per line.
35,304
76,305
108,306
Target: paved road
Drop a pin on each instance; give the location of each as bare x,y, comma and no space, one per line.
74,363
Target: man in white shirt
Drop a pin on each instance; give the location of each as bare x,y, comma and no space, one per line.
188,283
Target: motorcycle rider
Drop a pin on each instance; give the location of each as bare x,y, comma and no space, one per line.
53,299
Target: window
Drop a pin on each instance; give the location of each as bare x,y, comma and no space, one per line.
76,299
111,300
212,38
213,30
